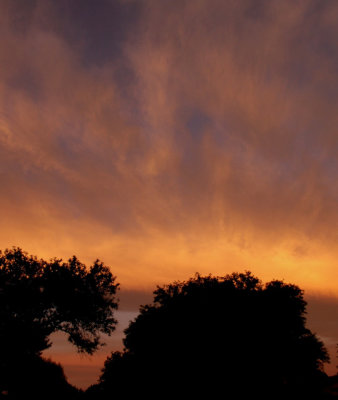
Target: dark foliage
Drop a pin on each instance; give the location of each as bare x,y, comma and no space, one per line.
37,378
229,337
38,298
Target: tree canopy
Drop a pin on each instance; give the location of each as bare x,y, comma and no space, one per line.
230,335
38,298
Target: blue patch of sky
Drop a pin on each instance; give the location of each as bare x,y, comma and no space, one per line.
101,29
69,143
198,123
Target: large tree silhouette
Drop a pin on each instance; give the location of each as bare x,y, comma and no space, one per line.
227,335
38,298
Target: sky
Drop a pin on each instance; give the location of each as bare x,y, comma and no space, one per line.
170,137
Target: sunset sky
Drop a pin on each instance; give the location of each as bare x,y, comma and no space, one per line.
169,137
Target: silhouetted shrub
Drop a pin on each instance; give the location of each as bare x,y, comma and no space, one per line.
37,378
226,336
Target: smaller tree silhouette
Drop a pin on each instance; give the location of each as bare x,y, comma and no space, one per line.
230,336
38,298
39,379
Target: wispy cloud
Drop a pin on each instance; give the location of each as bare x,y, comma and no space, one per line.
192,136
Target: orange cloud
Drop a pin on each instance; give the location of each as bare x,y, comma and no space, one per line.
221,157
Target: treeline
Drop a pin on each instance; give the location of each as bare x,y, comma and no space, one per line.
229,337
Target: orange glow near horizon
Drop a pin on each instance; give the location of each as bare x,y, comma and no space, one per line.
144,262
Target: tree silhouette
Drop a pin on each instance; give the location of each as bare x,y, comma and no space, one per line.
38,298
227,335
38,378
